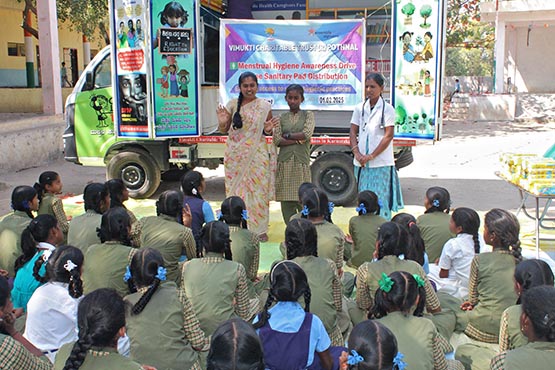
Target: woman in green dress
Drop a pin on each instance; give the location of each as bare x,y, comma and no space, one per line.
537,323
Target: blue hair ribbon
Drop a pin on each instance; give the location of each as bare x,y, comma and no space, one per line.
398,361
161,275
354,358
245,215
219,215
361,208
380,203
330,207
127,274
435,203
305,211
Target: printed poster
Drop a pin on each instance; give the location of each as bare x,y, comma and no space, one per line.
130,65
417,63
326,57
279,9
174,68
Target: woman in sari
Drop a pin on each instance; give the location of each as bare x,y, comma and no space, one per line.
249,161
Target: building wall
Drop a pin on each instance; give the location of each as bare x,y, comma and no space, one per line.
12,68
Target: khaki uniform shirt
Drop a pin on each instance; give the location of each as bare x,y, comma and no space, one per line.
11,228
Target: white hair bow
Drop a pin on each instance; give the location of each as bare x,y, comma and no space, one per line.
69,265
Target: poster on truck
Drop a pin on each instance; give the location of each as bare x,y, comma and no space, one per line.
130,66
417,62
279,9
326,57
174,68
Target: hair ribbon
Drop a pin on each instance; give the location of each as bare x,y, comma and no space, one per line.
69,265
361,208
354,358
46,255
127,274
419,281
305,211
435,203
244,215
385,283
161,275
331,206
398,361
219,215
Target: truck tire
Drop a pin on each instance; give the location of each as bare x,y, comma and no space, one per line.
404,157
138,170
333,173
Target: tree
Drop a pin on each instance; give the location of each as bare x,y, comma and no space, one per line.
425,12
408,10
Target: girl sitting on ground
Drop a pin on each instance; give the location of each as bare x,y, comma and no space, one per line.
41,236
48,187
416,251
160,314
119,194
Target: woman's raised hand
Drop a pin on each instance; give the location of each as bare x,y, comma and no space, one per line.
223,115
270,124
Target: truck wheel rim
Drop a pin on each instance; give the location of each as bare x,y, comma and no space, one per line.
133,176
335,180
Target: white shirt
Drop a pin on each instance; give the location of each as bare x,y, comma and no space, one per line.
370,133
51,317
47,246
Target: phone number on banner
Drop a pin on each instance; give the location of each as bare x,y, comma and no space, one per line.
331,99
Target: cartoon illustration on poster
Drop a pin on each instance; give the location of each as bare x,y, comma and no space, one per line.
325,56
416,63
174,68
130,67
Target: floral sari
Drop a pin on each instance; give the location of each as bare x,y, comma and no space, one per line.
250,163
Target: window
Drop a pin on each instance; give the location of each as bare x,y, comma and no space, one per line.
103,73
16,49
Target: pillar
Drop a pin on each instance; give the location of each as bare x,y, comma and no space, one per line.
86,51
499,57
29,52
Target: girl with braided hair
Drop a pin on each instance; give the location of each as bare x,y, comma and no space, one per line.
249,161
52,310
301,243
291,336
169,232
215,285
537,323
160,314
101,321
106,262
119,194
43,234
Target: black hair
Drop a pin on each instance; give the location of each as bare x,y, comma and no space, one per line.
131,27
504,225
100,315
406,33
295,87
416,247
235,346
114,225
170,203
532,273
93,196
37,231
439,199
375,343
301,239
237,120
116,187
392,240
232,211
45,178
56,269
144,269
214,237
190,183
305,186
5,291
370,201
317,203
538,304
469,221
288,282
429,34
173,9
376,77
22,196
402,296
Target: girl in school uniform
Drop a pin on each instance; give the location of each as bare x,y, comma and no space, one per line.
291,336
434,223
537,323
119,194
48,186
167,233
372,345
82,229
215,285
528,274
416,250
453,270
107,261
52,310
400,301
24,202
101,320
160,314
331,240
325,285
245,245
41,236
193,185
16,352
235,345
363,229
490,288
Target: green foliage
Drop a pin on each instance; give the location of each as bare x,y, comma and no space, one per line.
425,11
408,9
460,61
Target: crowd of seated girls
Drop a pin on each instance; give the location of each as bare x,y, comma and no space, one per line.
180,289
